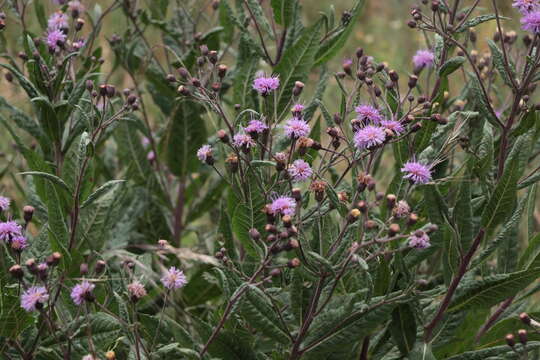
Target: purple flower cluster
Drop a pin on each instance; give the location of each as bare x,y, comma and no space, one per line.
526,6
55,38
9,230
423,59
531,22
243,140
300,170
296,128
283,205
393,125
174,279
369,137
419,240
58,21
416,172
4,203
256,127
34,297
266,85
368,114
204,153
82,292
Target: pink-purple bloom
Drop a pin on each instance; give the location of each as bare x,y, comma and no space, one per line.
136,290
4,203
283,205
526,6
19,243
256,127
393,125
58,21
300,170
423,58
368,113
416,172
174,279
54,38
78,44
82,292
531,22
419,240
369,136
204,153
9,230
297,109
34,297
265,85
243,140
295,128
76,8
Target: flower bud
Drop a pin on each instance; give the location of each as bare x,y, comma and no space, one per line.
110,355
522,334
196,82
413,80
362,206
354,214
213,56
31,266
294,263
222,70
296,194
42,270
170,78
298,87
131,99
28,213
413,219
359,53
254,234
269,228
393,229
287,220
183,90
391,200
393,76
16,271
510,340
275,272
83,269
79,23
524,317
54,259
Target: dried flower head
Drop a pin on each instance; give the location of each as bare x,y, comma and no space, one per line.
300,170
416,172
295,128
34,297
265,85
369,136
82,292
174,279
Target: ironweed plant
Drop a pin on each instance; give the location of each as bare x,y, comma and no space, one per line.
398,223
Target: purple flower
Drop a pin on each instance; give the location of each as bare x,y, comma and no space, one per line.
300,170
419,240
82,292
174,279
423,58
243,140
265,85
297,109
19,243
295,128
34,297
4,203
55,37
76,8
401,209
368,113
204,153
393,125
283,205
151,156
531,22
369,136
9,230
526,6
78,44
416,172
256,127
57,21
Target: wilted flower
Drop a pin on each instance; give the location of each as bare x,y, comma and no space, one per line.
204,153
19,243
393,125
369,136
416,172
243,140
419,240
368,113
136,290
4,203
174,279
82,292
283,205
9,230
531,22
265,85
55,37
57,21
295,128
526,6
256,127
401,209
423,58
300,170
34,297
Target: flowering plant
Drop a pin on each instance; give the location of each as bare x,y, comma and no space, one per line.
386,226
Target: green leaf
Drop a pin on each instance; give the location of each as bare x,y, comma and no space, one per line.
475,21
283,11
531,256
498,61
504,351
52,178
492,290
333,45
102,190
295,65
242,222
58,231
403,328
246,68
451,65
258,13
483,106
